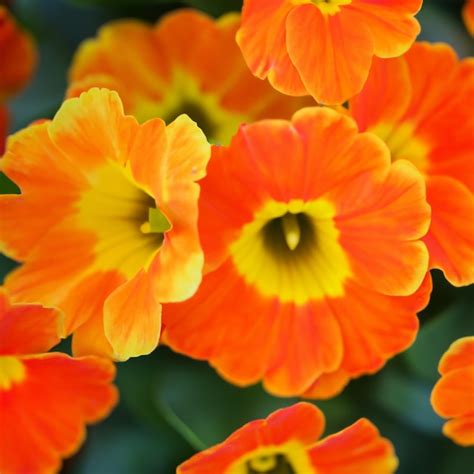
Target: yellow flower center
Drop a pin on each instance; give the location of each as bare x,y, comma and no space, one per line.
404,144
328,7
290,458
183,95
11,371
291,251
129,227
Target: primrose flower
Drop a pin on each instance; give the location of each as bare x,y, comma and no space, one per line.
45,399
18,60
313,255
106,222
429,122
452,396
468,16
324,47
287,441
186,63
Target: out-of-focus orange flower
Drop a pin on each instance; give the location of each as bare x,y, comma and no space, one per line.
429,122
314,262
186,63
453,395
106,224
18,60
324,47
45,399
468,16
287,441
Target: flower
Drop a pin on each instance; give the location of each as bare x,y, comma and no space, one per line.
287,441
18,54
45,399
430,123
313,258
186,63
106,225
452,394
468,16
323,47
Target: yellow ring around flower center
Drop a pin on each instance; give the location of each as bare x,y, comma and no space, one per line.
328,7
11,371
291,251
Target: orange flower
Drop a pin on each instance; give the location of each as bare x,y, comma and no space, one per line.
429,122
324,47
468,16
106,224
453,395
18,54
45,399
287,441
312,248
186,63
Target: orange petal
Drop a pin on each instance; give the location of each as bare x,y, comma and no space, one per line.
369,340
459,355
4,124
354,450
127,51
385,96
132,318
43,416
262,39
391,24
394,213
26,329
288,346
328,385
181,257
460,430
453,394
47,179
86,299
332,57
89,339
18,54
450,240
53,267
92,129
468,15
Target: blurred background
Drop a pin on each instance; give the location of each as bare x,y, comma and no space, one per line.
170,405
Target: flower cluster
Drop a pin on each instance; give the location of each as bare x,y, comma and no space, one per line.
282,230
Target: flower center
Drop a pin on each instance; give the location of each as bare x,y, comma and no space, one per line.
11,371
129,227
184,95
198,113
291,251
271,464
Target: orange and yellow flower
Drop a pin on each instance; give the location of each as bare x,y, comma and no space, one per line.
324,47
468,16
18,54
45,399
429,122
106,222
313,255
453,395
186,63
288,441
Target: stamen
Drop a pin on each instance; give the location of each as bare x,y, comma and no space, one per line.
291,230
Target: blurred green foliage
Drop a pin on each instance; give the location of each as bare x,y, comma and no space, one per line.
140,437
